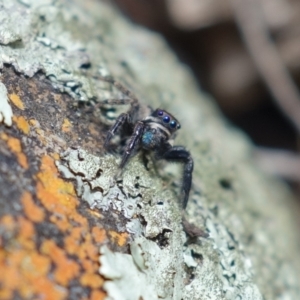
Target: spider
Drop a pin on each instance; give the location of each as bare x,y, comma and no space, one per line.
150,130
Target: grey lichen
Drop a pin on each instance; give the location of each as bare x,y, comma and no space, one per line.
5,108
119,267
154,273
29,44
138,195
96,182
252,251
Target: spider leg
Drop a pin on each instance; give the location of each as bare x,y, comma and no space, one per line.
123,119
133,101
115,101
112,101
180,154
133,142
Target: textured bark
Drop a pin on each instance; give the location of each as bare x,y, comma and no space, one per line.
59,203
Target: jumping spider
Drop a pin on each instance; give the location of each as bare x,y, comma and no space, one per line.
150,130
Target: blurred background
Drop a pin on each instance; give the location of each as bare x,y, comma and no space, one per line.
247,55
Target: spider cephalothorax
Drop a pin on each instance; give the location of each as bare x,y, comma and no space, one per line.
159,127
150,130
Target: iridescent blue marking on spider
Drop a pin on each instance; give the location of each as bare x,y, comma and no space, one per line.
147,138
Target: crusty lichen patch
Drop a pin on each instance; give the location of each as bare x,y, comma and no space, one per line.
159,247
14,144
34,266
5,109
43,42
137,195
6,113
32,211
17,101
216,267
23,269
22,124
118,268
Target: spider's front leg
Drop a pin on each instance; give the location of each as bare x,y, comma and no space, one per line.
122,120
180,154
125,91
134,141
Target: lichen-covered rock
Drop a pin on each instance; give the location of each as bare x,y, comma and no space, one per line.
252,251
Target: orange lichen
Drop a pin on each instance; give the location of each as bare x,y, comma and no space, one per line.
36,265
73,241
45,271
31,210
14,145
22,124
79,243
65,268
23,269
99,234
34,268
26,233
16,100
91,280
8,222
98,295
66,125
87,248
46,289
6,293
89,265
60,220
55,156
57,195
9,270
119,238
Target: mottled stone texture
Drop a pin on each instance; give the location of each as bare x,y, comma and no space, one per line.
61,208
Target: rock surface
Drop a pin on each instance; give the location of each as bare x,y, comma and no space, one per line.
60,202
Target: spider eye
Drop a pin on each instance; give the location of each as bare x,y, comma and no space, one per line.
160,112
166,119
173,124
178,126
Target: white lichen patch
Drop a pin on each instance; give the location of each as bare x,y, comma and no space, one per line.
95,180
148,273
6,113
120,268
163,266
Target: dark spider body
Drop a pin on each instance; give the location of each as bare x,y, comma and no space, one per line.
150,130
